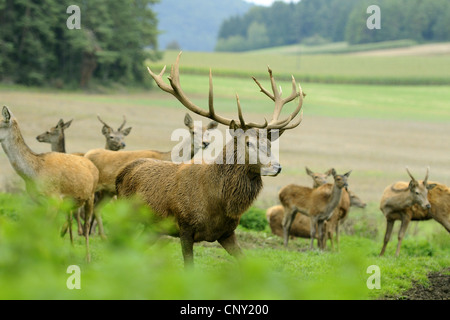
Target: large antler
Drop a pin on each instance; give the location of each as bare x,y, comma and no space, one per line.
175,89
275,123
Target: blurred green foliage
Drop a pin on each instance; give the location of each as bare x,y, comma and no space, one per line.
134,264
254,219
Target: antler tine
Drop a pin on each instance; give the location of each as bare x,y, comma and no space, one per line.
426,176
123,124
410,175
250,124
98,117
175,89
279,103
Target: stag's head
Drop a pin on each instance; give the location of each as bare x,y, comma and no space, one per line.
55,134
252,139
419,190
114,138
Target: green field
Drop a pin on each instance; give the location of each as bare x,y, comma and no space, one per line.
325,68
374,129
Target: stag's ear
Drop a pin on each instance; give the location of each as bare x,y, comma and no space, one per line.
126,131
348,174
212,125
188,121
233,127
308,172
6,114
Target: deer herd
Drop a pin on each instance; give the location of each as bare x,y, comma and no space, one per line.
206,200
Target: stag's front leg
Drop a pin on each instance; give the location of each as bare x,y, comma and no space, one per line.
231,245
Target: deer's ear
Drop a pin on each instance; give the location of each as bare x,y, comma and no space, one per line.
126,131
328,172
333,172
233,126
308,172
106,130
67,124
212,125
348,173
431,186
6,114
188,121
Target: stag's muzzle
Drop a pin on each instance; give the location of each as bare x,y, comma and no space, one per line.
271,170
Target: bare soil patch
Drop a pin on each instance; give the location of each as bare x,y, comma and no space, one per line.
438,288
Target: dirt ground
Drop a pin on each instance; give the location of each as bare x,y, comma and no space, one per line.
438,289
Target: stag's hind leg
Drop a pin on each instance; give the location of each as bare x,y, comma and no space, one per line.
231,245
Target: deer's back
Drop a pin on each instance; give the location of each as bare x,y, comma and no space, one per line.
294,195
109,163
68,175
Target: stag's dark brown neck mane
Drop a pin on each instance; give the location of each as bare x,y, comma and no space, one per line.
239,186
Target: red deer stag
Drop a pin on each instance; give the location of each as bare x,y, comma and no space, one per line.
397,198
320,204
207,200
50,173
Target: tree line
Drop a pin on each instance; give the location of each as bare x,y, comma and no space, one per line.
322,21
37,47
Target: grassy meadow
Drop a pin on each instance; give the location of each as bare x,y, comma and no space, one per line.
355,118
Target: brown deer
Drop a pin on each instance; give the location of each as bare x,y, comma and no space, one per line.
318,178
397,198
301,225
109,162
335,222
319,204
55,136
52,173
207,200
439,198
114,138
